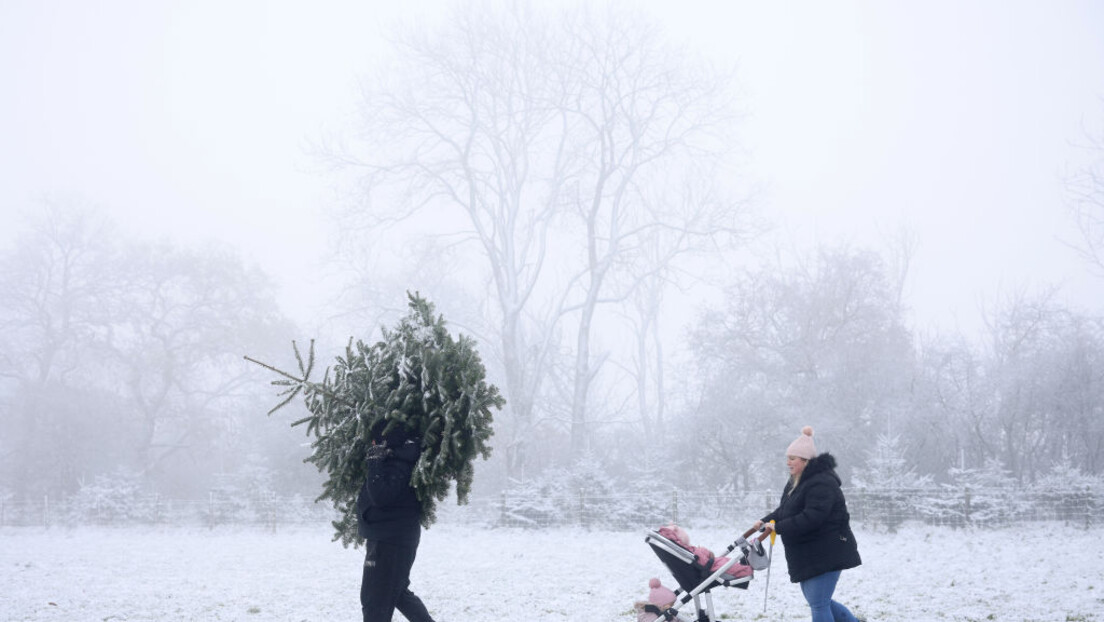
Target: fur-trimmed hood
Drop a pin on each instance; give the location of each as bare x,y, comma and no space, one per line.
823,463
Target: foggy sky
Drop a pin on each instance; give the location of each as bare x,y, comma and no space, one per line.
958,120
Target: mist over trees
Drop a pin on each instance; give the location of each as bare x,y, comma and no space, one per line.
575,158
559,184
825,341
122,359
557,179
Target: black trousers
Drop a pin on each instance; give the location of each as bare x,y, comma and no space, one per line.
385,585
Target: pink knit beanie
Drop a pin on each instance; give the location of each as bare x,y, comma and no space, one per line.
660,596
803,447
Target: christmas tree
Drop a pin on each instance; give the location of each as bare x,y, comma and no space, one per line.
417,377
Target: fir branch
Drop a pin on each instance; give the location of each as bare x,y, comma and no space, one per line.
300,383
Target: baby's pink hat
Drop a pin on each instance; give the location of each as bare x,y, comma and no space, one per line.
660,596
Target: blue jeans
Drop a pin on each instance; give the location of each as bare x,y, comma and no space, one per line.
818,593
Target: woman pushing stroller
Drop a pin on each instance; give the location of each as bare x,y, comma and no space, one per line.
814,524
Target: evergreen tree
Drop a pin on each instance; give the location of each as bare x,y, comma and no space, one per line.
1067,493
418,378
887,484
990,495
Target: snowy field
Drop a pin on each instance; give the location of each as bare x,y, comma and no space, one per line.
919,574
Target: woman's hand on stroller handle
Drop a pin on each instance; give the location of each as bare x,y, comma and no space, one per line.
764,530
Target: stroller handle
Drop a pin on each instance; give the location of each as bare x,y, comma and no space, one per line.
762,536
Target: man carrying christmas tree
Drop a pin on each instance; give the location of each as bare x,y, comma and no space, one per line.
389,519
396,425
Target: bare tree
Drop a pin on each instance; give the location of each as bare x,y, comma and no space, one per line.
900,249
820,343
950,401
54,278
118,355
544,137
181,322
55,281
1085,198
470,128
647,361
656,272
1078,395
1028,397
1044,373
646,120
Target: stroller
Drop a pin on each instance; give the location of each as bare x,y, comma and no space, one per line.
697,571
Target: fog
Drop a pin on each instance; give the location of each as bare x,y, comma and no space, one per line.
880,207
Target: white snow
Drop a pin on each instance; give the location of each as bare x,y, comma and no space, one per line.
1048,572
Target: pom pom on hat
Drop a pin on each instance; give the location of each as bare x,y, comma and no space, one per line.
660,596
803,447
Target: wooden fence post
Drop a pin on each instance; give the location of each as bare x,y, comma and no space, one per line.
582,508
966,504
1089,503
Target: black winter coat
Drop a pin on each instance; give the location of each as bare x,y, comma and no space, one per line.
814,524
387,506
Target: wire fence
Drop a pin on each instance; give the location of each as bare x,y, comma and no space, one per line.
268,511
882,509
877,509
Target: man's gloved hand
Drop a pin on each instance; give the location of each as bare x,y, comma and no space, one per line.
377,452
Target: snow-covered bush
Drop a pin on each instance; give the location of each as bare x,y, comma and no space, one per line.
226,503
246,496
113,499
986,496
532,504
587,496
1067,494
594,490
647,500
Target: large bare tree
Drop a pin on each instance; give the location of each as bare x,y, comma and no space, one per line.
822,342
1045,379
557,143
1085,195
182,319
55,282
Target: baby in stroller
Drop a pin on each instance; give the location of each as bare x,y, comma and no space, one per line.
703,557
697,570
660,599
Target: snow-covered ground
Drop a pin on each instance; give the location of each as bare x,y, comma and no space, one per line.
466,573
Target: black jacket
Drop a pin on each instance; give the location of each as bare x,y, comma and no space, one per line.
387,506
814,524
